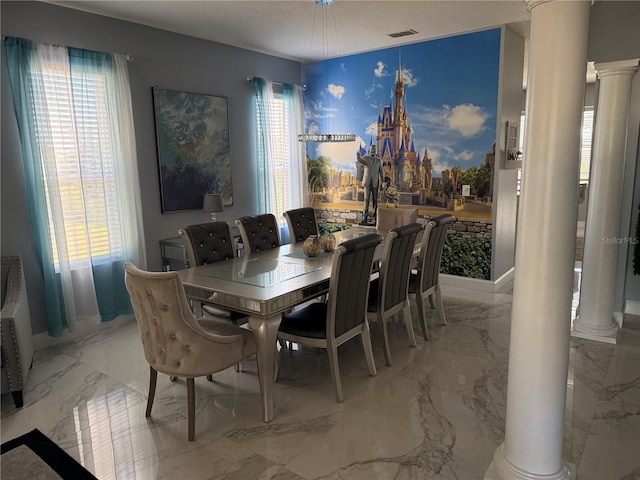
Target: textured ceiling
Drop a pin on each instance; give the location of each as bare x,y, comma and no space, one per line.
303,31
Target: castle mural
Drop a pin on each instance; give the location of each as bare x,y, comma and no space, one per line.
429,109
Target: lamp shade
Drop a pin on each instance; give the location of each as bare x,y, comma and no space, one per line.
212,203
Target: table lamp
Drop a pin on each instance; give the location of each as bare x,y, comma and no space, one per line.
212,203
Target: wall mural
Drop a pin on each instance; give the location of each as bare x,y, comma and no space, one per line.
429,108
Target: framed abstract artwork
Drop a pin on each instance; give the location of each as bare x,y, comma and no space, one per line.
194,155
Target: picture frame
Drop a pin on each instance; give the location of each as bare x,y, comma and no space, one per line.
194,153
512,155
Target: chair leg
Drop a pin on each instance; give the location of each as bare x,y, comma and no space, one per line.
332,350
153,378
387,348
210,378
439,306
406,313
276,365
368,351
191,408
431,302
421,314
17,398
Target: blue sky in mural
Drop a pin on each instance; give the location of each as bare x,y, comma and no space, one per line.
451,94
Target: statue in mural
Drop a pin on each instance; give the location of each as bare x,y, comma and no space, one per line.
373,178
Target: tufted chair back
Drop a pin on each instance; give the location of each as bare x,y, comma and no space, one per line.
208,243
173,341
302,223
388,218
259,233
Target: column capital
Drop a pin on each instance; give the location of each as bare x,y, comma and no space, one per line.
621,67
534,3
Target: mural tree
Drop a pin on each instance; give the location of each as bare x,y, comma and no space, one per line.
318,173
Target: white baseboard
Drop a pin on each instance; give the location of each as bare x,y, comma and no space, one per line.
632,307
488,286
44,340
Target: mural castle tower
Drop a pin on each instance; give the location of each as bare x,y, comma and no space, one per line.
401,163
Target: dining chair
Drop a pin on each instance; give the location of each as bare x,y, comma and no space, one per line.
389,292
174,341
208,243
259,233
424,282
389,218
344,315
302,223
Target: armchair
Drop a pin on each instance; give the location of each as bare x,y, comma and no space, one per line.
174,341
17,346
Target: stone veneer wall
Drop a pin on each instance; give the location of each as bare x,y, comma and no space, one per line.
463,227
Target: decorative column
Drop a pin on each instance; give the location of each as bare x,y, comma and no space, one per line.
545,246
595,319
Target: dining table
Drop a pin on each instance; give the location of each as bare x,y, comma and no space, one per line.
265,285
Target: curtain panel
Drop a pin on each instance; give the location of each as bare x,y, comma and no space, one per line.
73,109
281,163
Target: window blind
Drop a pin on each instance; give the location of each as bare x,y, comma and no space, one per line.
71,113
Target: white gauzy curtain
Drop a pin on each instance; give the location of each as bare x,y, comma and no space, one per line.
292,96
282,167
73,109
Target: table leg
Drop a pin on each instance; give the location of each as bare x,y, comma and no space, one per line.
265,331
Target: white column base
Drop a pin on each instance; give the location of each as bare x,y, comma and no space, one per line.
503,469
600,333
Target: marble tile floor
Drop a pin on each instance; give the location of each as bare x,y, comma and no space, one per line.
437,413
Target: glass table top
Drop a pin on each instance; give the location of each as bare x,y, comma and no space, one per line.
258,272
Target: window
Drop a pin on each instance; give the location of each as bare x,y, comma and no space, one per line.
280,123
282,182
585,145
71,110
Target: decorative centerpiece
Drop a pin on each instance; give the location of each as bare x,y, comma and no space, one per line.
328,242
311,246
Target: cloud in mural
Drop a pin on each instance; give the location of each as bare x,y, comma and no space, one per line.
336,90
464,156
318,112
379,70
408,78
372,129
468,119
342,155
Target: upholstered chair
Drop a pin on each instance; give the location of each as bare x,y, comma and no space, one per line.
210,243
424,282
174,342
329,325
259,233
17,346
388,218
389,292
302,223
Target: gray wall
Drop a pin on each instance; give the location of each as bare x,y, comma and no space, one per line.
160,59
505,179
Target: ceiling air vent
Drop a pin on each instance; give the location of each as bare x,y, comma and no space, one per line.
402,34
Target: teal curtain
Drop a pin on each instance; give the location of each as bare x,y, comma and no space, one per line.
18,54
274,130
263,94
94,291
